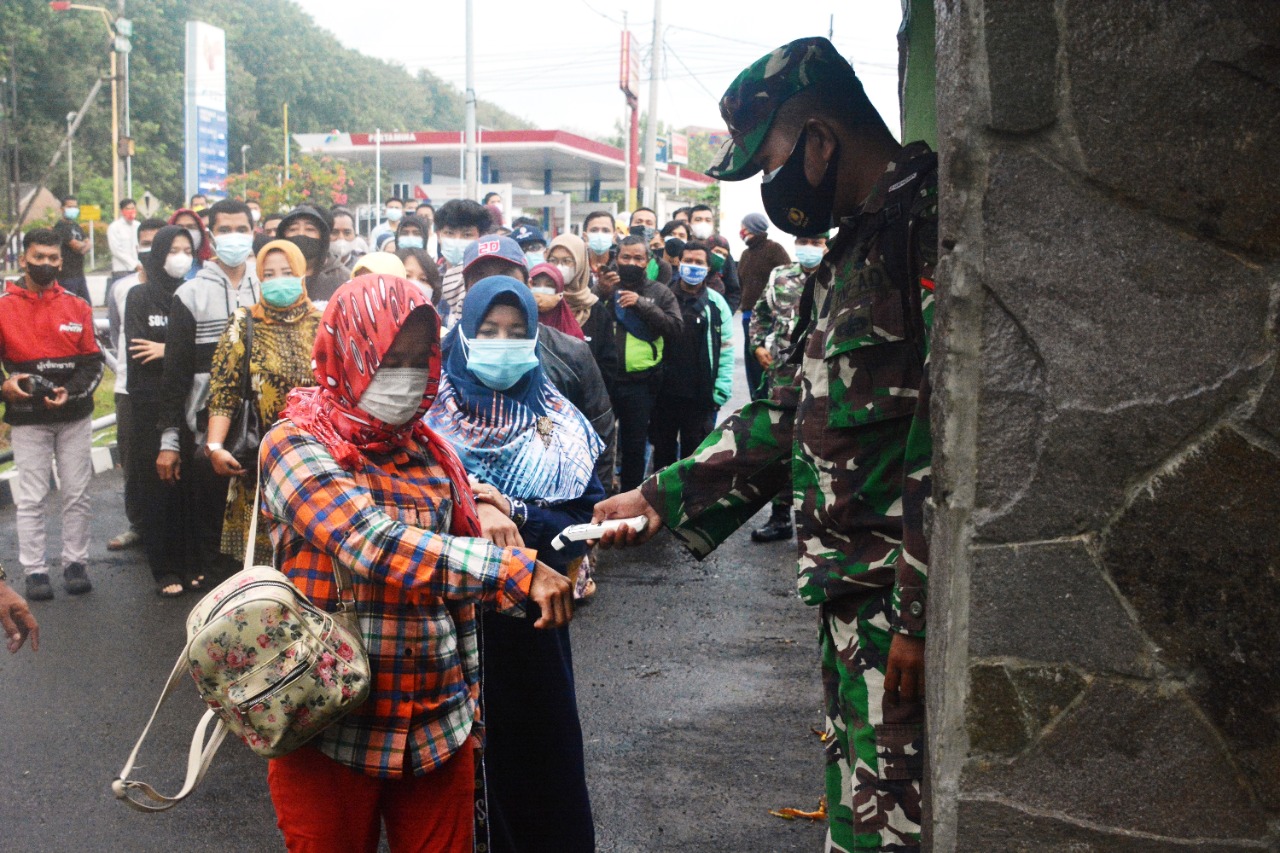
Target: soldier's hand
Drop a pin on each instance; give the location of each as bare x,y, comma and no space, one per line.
553,593
626,505
904,674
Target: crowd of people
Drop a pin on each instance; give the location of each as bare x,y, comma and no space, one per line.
443,395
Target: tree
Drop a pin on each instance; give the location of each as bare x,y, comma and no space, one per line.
319,181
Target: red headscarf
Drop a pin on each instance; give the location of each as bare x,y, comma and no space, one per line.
205,252
560,317
358,326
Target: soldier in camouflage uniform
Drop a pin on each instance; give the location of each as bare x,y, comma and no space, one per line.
852,432
769,343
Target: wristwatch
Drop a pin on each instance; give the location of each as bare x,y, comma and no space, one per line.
213,445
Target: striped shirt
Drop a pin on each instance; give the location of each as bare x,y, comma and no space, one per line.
416,588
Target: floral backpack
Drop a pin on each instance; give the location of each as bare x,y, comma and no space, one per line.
274,669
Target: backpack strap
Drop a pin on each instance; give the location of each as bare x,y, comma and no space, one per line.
199,756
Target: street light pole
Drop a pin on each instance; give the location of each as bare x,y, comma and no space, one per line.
244,159
118,45
71,176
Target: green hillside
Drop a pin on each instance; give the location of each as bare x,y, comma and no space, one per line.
275,54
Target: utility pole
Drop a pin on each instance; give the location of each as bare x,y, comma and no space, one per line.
71,172
286,141
651,128
471,163
5,120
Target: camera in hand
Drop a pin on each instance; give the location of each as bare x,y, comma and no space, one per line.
39,388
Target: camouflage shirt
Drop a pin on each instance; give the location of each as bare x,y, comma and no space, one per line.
774,318
853,432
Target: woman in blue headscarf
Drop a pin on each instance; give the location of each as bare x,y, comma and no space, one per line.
532,456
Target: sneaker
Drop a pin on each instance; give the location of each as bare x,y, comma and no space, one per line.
76,579
128,539
777,529
39,588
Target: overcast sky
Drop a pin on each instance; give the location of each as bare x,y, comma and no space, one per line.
555,62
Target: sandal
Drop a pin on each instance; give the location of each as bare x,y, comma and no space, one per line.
196,582
170,586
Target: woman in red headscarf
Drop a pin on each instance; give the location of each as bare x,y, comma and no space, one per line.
352,474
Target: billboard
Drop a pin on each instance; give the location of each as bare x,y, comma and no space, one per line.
205,149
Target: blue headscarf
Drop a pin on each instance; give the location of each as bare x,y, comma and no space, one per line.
528,441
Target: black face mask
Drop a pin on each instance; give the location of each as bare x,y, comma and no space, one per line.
42,274
630,274
310,247
793,204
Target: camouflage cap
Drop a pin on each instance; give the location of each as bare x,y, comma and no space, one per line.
752,100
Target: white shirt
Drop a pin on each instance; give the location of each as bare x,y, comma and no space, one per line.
122,239
120,293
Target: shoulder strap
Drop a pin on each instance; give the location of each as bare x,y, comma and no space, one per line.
246,386
199,756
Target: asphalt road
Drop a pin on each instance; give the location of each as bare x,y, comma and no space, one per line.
697,686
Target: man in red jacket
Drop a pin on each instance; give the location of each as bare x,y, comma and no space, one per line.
52,365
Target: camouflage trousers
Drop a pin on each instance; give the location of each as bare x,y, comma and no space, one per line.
874,751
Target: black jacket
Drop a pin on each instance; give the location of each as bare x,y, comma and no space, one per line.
568,363
657,308
598,330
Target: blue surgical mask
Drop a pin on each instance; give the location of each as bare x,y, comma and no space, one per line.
409,241
692,273
453,248
233,249
71,212
394,214
809,256
534,258
282,292
500,363
599,241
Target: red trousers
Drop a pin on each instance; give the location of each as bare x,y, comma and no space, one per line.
326,807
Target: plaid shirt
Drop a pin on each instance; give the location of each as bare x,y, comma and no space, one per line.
415,589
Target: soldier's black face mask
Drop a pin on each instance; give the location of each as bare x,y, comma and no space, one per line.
795,205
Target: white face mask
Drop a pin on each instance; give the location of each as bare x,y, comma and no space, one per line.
395,393
702,230
341,248
568,272
177,265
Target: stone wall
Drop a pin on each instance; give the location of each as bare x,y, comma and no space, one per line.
1104,642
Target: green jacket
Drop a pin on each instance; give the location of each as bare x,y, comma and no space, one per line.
853,431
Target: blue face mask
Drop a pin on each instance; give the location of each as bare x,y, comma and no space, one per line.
409,241
599,241
499,364
71,212
233,249
453,249
532,259
809,256
693,273
282,292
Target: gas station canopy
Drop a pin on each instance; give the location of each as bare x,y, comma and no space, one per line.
536,160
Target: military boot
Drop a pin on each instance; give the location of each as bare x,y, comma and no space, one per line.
778,527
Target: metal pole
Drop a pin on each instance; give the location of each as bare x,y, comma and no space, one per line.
115,134
651,129
286,142
377,172
128,160
471,163
53,162
15,162
71,174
